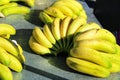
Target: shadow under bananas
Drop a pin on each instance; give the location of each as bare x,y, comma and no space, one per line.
33,17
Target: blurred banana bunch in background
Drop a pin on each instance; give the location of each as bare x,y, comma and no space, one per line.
8,7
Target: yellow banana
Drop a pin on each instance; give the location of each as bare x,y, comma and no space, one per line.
7,29
9,46
4,58
91,55
41,38
5,36
65,10
83,14
115,67
3,2
87,26
15,64
97,44
55,28
54,12
96,34
12,4
38,48
15,10
5,73
87,67
45,17
75,24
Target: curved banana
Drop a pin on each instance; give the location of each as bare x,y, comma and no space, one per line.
41,38
96,34
54,12
45,17
15,64
87,26
4,58
9,46
97,44
15,10
55,28
38,48
12,4
75,24
5,73
3,2
7,29
87,67
91,55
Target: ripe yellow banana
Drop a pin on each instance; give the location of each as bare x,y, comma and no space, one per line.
96,34
5,73
15,64
83,14
115,67
91,55
3,2
97,44
5,36
12,4
4,58
9,46
55,28
87,67
75,24
38,48
87,26
54,12
15,10
7,29
41,38
45,17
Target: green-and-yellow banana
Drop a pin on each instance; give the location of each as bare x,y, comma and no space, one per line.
38,48
54,12
5,73
7,29
45,18
97,44
4,58
96,34
9,46
91,55
15,10
41,38
87,67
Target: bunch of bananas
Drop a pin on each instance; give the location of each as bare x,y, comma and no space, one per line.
8,7
11,53
91,49
61,9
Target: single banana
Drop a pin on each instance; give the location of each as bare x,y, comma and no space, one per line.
97,44
3,2
5,73
115,67
15,10
45,17
83,14
38,48
91,55
4,58
9,46
55,28
15,64
41,38
96,34
87,26
75,24
12,4
7,29
52,11
63,29
87,67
